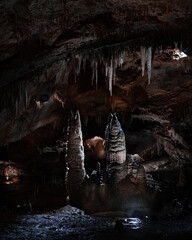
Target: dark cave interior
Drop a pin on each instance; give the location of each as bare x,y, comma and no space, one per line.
95,119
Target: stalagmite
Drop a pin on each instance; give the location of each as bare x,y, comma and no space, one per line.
75,158
136,173
115,141
149,59
107,131
127,178
118,187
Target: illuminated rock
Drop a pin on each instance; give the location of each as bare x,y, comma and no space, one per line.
75,158
120,186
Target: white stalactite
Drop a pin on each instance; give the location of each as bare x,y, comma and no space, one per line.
121,60
78,66
111,63
149,59
106,69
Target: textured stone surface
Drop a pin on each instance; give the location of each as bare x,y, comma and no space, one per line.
39,38
70,223
118,187
62,49
75,173
115,141
94,148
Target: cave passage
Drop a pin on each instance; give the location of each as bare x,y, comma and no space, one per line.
95,119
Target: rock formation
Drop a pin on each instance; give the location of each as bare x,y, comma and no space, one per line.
45,46
130,57
94,153
75,158
115,141
121,186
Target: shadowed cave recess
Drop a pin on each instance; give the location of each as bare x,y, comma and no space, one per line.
95,119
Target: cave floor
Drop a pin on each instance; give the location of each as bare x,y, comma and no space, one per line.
71,223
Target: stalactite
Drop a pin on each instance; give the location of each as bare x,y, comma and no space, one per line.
110,57
14,97
149,59
84,61
114,69
176,44
110,74
96,74
121,60
106,69
143,59
161,49
146,55
78,60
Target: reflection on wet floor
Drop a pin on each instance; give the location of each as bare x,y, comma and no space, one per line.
133,223
70,223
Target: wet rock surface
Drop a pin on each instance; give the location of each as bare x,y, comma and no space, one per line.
71,223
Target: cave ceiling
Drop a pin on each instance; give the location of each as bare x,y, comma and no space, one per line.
57,56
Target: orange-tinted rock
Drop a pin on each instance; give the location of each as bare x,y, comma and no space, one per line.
94,149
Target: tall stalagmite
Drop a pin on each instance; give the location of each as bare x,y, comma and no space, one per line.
115,141
75,158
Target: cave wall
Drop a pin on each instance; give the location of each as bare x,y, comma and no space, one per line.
40,39
53,58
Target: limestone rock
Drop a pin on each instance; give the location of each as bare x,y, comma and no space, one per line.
75,158
118,187
115,141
